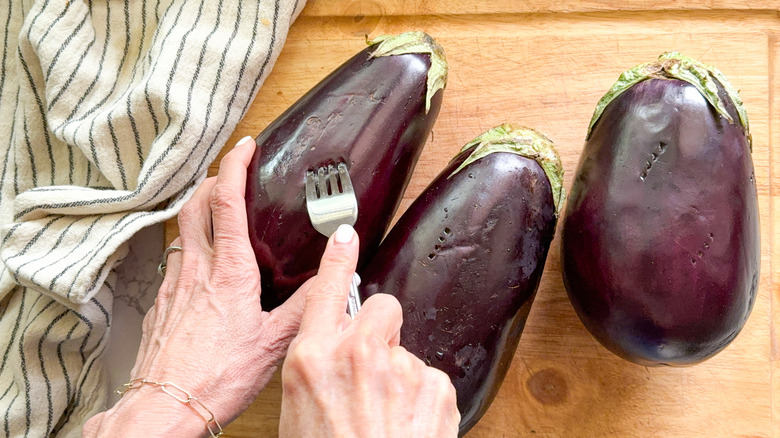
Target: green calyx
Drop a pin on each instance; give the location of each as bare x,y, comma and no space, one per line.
524,142
416,42
674,65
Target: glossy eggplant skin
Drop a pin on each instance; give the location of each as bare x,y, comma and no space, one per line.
369,113
660,242
465,261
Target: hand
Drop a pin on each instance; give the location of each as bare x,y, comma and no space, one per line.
207,332
345,378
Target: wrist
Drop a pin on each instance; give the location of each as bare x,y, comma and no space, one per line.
147,411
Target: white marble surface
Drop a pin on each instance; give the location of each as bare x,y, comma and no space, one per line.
136,289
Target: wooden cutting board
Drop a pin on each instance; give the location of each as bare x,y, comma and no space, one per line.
545,64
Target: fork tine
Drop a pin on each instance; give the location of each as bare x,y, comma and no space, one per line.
311,185
346,182
322,185
333,180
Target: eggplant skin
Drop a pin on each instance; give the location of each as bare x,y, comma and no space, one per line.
371,114
465,261
660,241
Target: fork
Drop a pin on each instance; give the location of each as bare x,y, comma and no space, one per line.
330,202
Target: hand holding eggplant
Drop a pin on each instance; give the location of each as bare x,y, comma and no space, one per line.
207,331
350,378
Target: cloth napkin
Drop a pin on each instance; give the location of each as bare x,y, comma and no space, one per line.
110,113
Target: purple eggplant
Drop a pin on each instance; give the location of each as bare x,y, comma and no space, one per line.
465,260
660,244
374,113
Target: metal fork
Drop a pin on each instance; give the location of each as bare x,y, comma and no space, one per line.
331,201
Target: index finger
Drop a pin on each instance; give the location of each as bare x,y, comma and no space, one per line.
326,301
228,208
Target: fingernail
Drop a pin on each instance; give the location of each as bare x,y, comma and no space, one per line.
344,234
243,140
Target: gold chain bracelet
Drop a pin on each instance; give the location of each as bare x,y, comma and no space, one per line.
212,425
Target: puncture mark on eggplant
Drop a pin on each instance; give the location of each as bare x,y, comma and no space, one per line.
700,254
442,238
653,158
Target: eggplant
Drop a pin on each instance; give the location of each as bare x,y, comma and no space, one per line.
465,260
660,241
373,113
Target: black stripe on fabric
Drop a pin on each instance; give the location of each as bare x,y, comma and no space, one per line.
75,247
10,385
70,188
99,246
78,64
93,252
89,88
5,308
30,152
68,388
156,61
271,49
50,416
70,165
130,116
64,42
50,27
95,107
16,165
8,411
11,231
41,112
34,239
118,154
11,141
242,70
23,363
83,347
14,331
136,134
87,373
89,173
77,400
109,117
102,310
5,53
60,238
167,100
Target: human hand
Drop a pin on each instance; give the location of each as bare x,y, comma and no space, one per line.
350,378
207,332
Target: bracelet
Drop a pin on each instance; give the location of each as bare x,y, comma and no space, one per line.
212,425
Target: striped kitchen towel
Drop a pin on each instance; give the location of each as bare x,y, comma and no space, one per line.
110,113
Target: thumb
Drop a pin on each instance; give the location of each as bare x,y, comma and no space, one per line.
326,300
287,317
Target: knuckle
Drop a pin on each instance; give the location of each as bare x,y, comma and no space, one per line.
389,305
326,291
300,357
367,353
223,197
190,213
440,380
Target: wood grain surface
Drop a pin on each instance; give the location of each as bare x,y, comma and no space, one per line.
545,64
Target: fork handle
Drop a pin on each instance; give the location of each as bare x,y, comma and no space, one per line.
353,299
